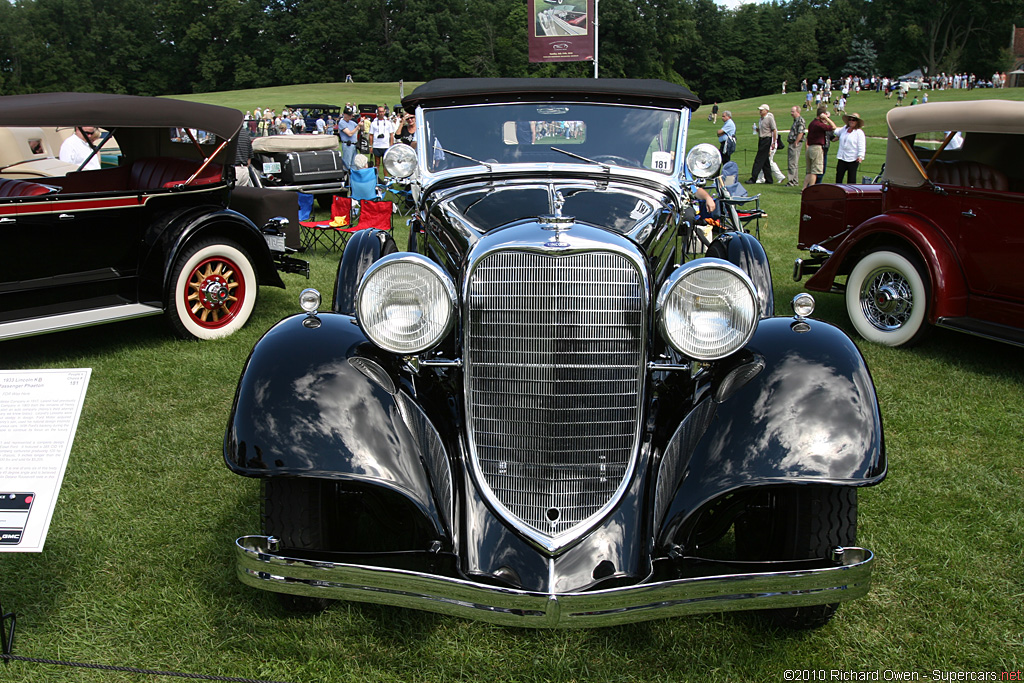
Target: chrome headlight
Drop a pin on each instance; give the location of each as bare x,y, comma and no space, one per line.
406,303
708,309
703,160
400,161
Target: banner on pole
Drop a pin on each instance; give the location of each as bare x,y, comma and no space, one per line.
561,30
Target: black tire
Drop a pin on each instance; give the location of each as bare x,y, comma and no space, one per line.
211,290
795,524
294,513
887,295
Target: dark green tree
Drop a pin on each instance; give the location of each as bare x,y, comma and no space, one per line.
863,59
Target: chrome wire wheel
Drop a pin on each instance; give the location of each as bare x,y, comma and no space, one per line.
887,298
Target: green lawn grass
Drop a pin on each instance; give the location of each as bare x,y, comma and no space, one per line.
138,567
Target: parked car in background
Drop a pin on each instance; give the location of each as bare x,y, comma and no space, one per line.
938,242
33,152
300,163
545,412
311,112
151,236
30,152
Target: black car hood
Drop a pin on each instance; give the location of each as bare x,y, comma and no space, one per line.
488,207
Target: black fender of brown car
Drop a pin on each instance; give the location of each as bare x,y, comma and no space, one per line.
170,233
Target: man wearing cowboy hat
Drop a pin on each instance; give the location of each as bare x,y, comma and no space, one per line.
852,147
767,132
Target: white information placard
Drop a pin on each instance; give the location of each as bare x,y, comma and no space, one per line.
39,411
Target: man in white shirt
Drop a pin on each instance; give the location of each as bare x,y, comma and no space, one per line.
79,147
382,132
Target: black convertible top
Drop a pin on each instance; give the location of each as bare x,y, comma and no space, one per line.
452,91
116,111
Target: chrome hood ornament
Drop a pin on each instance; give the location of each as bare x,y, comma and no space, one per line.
558,223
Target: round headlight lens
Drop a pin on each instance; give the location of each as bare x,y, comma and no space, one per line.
406,303
708,309
400,161
803,305
703,160
309,300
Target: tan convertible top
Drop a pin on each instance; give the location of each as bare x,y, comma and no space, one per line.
999,117
982,116
294,143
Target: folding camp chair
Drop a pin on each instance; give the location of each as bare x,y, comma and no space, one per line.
330,234
362,183
311,232
738,209
400,194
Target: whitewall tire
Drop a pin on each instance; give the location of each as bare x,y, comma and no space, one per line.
213,290
887,298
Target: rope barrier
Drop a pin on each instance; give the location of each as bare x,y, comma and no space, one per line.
129,669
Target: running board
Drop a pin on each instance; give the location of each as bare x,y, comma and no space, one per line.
978,328
71,321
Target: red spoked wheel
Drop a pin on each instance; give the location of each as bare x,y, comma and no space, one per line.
213,291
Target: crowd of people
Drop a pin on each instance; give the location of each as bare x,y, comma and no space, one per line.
823,99
370,135
853,83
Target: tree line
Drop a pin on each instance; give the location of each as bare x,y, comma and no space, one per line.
191,46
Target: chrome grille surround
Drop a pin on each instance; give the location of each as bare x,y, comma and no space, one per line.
554,348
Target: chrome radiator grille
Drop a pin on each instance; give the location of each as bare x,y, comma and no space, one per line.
555,350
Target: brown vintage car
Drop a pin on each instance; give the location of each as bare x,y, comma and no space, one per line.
940,240
152,235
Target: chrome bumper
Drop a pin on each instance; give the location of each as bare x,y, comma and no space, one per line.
801,267
312,188
259,567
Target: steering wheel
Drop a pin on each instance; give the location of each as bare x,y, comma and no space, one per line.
618,161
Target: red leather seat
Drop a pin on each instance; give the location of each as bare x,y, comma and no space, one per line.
968,174
166,172
22,188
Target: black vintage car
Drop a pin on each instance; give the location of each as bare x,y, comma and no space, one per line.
545,412
152,235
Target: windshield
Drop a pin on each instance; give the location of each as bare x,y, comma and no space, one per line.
551,132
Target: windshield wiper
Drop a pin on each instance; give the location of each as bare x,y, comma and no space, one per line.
463,156
606,167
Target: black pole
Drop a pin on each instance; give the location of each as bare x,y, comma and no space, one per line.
6,635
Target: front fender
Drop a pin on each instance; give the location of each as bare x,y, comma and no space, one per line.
912,232
744,251
810,415
316,399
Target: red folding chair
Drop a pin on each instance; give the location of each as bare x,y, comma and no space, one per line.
331,234
375,214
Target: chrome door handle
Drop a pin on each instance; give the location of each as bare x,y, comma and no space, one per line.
969,213
66,217
8,221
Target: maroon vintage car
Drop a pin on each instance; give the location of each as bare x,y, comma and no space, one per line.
940,241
